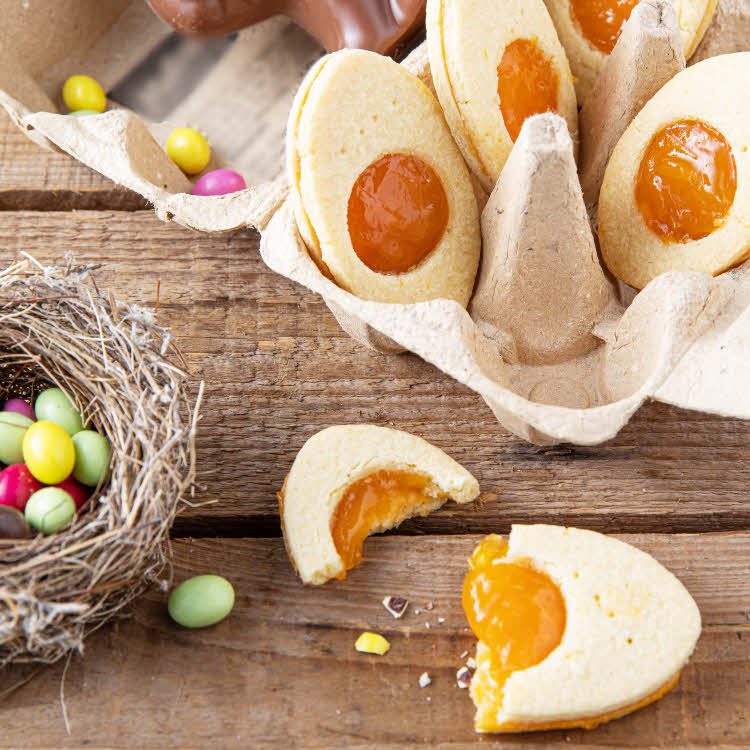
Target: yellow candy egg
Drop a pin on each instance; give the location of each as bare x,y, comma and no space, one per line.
48,452
83,92
189,150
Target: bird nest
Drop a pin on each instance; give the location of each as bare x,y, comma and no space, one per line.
57,328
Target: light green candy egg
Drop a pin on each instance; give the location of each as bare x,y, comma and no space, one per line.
49,510
83,113
201,601
92,457
54,406
12,430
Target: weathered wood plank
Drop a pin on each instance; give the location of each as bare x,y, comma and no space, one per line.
278,368
35,178
282,669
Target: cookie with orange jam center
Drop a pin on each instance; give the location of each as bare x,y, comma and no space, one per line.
350,481
601,21
381,195
494,65
397,213
687,181
589,30
574,629
527,84
674,195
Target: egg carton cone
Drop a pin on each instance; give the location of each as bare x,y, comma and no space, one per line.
558,350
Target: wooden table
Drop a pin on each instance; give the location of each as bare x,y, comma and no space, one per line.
282,669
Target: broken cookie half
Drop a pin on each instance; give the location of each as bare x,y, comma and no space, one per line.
350,481
575,629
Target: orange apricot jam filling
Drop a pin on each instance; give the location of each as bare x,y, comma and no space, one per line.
517,613
397,213
686,182
375,503
526,84
601,21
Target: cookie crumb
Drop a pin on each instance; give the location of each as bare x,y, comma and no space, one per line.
396,605
463,677
424,680
470,663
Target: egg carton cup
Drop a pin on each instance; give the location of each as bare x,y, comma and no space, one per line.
111,358
559,350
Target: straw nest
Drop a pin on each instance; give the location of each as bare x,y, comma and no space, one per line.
56,328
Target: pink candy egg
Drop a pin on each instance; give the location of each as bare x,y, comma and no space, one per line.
19,406
17,485
219,182
76,490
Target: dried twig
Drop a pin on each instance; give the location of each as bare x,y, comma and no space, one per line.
55,329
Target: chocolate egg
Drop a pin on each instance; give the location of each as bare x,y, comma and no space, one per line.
13,525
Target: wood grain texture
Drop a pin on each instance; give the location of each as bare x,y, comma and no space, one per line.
278,368
282,671
40,179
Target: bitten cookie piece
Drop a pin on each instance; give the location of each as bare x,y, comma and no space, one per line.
494,64
676,191
589,30
575,629
350,481
381,194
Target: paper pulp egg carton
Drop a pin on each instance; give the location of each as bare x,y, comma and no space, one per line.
575,353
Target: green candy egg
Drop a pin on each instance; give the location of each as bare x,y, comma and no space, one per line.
49,510
201,601
54,406
92,457
83,113
12,431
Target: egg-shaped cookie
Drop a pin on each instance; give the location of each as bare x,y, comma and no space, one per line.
676,191
589,30
349,481
494,64
575,629
381,194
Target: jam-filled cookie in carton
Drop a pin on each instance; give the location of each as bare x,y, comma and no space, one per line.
493,65
676,193
382,197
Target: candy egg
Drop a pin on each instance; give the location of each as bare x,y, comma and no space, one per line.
188,149
13,428
219,182
201,601
19,406
17,485
83,113
83,92
13,525
48,452
54,406
76,490
50,510
92,457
